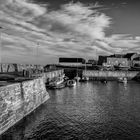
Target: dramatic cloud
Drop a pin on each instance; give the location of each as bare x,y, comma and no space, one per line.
32,33
124,43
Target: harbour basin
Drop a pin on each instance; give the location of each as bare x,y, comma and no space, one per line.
88,111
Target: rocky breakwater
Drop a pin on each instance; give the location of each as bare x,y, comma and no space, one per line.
18,100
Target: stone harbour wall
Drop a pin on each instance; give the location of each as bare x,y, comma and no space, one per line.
94,74
5,67
18,100
50,75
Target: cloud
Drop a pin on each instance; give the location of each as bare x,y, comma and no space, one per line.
80,19
22,8
72,30
123,42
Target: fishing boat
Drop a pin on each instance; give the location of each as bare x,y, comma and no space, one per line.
122,80
66,78
59,80
71,83
60,86
56,83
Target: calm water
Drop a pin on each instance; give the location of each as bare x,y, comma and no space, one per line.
86,112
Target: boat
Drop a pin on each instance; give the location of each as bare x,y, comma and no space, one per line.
59,80
56,83
60,86
122,80
77,78
84,78
66,78
71,83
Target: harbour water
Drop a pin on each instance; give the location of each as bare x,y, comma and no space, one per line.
89,111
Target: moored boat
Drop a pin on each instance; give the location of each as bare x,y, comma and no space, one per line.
77,78
56,83
122,80
59,81
66,78
71,83
60,86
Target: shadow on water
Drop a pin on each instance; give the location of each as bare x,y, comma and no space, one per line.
88,111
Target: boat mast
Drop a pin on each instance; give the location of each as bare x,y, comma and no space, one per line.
77,69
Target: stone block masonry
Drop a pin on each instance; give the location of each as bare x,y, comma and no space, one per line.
5,67
18,100
110,75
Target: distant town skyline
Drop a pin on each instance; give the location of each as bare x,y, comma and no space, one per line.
41,31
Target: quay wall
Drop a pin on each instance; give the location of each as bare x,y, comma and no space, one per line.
5,67
49,75
19,99
111,75
52,75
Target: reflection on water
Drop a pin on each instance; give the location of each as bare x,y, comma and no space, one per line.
90,110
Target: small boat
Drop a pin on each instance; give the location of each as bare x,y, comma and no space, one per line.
71,83
66,78
56,83
60,86
59,80
77,78
122,80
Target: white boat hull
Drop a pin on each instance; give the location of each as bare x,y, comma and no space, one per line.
71,83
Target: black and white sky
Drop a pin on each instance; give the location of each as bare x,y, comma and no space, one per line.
41,31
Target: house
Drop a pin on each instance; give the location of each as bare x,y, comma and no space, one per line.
113,61
136,61
102,59
121,59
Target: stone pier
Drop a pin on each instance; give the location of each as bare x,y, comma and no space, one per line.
110,75
19,99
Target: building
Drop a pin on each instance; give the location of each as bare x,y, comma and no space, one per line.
130,56
71,61
136,60
120,60
102,59
92,62
113,61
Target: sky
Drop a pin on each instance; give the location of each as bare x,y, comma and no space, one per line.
41,31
